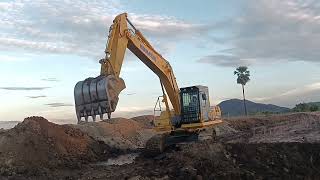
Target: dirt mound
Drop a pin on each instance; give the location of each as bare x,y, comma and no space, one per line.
246,123
37,143
119,133
296,127
146,120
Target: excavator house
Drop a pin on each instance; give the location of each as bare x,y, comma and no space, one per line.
190,113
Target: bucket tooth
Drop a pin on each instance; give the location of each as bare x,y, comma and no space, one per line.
85,116
78,117
109,115
94,117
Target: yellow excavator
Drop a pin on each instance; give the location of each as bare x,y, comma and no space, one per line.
191,111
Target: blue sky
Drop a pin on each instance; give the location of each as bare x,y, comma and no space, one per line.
47,46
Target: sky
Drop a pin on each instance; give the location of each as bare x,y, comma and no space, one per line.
47,46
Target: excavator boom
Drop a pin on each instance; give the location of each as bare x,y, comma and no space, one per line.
87,99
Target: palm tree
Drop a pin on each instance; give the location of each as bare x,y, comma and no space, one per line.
243,77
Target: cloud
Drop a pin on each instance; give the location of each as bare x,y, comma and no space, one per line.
6,58
268,31
307,93
53,105
80,28
303,90
50,79
166,26
24,88
129,112
36,97
226,60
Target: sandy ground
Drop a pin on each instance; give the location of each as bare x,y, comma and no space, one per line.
267,147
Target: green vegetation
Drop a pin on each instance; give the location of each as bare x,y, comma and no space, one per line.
307,107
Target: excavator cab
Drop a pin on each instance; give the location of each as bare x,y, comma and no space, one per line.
195,104
196,111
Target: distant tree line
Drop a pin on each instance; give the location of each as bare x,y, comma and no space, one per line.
306,107
301,107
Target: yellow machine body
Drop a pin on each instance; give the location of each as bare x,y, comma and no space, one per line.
179,104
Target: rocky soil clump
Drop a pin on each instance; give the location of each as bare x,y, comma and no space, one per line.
37,144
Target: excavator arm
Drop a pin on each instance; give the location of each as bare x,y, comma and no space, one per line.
120,38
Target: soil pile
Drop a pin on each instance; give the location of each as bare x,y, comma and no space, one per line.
297,127
146,121
247,123
120,133
36,143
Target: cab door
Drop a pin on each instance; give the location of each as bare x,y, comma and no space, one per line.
204,104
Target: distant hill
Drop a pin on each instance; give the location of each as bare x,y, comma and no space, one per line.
234,107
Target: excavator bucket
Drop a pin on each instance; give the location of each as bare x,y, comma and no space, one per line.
97,96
